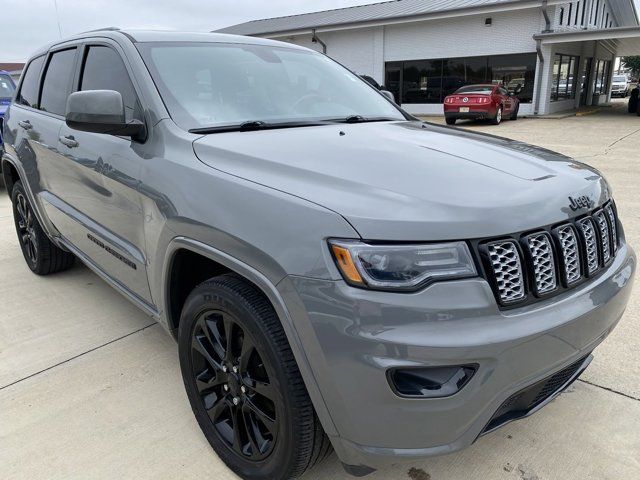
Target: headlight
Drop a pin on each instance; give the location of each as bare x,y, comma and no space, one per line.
401,267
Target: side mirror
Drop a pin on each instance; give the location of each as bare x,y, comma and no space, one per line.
101,111
389,95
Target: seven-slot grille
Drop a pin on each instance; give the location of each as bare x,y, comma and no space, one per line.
554,259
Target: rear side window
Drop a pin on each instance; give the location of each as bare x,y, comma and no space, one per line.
29,89
57,82
104,70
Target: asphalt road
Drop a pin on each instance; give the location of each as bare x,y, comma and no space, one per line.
90,387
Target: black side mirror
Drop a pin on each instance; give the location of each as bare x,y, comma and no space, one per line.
101,111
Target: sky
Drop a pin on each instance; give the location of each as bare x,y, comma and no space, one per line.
27,25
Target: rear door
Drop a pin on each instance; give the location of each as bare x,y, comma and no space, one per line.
100,193
36,117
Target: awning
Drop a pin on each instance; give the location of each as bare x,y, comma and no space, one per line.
623,41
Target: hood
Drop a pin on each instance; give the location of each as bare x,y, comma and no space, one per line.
410,181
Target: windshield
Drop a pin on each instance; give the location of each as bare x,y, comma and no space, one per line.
6,86
619,79
479,89
217,84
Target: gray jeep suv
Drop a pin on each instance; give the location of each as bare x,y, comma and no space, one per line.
337,273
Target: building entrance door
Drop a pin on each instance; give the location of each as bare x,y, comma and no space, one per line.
585,81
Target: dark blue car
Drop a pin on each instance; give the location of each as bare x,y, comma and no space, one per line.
7,87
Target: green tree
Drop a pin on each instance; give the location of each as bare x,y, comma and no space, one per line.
633,63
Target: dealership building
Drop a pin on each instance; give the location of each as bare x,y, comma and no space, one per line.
554,55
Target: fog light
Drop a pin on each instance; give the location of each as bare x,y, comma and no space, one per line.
430,382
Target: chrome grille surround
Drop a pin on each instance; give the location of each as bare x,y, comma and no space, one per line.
507,269
544,267
613,224
591,243
603,230
568,240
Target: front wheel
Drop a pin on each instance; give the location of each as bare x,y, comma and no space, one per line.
42,256
498,118
244,385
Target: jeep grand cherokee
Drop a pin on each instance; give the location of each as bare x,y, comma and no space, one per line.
336,272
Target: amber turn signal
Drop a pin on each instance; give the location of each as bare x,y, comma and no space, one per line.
346,265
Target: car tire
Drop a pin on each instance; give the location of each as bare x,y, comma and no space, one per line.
514,115
42,256
248,398
633,101
498,118
450,121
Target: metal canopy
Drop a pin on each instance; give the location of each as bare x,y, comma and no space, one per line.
623,41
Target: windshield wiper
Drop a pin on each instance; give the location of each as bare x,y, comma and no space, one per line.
253,125
361,119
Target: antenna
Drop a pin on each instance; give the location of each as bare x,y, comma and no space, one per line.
55,4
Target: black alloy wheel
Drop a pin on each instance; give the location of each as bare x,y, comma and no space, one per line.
243,382
25,225
42,256
234,385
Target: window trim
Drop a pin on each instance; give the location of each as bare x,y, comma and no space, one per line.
45,68
79,72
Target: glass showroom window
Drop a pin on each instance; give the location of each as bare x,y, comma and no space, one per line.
429,81
603,67
564,77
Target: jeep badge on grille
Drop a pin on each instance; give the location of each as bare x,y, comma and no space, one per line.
576,203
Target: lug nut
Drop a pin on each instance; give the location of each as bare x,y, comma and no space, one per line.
236,400
235,369
243,389
224,368
226,388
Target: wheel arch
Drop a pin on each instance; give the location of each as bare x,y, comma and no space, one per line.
10,174
182,247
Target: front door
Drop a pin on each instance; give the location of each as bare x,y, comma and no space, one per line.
101,204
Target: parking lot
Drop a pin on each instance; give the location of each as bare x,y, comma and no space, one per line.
90,387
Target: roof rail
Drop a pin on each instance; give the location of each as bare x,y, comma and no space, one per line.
105,29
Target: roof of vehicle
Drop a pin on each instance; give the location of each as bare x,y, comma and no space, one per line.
146,36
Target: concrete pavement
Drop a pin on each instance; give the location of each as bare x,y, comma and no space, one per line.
91,388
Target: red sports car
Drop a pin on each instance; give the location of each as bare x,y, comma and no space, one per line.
490,101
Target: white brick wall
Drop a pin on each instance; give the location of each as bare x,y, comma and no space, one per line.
360,50
467,36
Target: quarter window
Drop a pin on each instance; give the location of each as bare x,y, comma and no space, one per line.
105,70
57,82
29,90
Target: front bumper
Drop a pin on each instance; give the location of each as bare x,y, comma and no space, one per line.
352,337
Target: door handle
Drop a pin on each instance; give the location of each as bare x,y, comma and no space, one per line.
69,141
26,125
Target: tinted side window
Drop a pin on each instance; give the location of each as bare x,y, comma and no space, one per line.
104,70
30,85
57,82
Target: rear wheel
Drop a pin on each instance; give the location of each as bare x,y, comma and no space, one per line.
498,118
243,383
450,120
42,256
